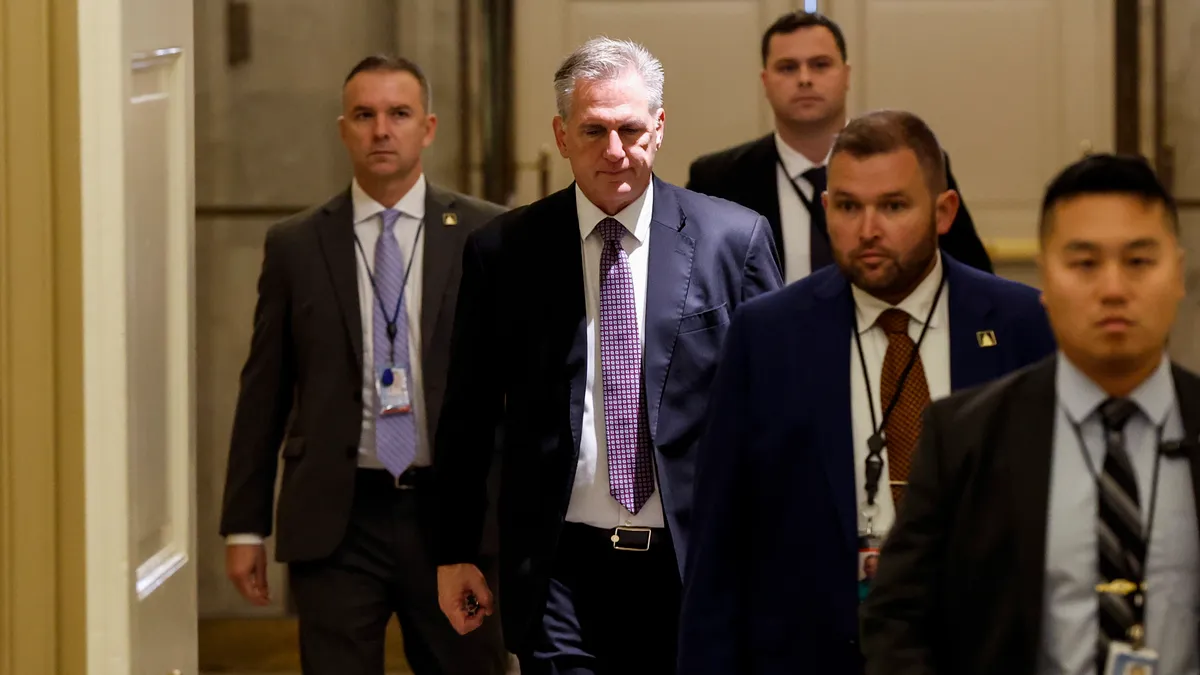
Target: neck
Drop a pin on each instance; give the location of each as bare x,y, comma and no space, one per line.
811,139
1119,379
390,189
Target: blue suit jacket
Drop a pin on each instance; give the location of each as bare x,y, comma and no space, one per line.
771,577
519,360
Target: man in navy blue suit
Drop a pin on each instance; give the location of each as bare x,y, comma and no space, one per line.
589,327
816,409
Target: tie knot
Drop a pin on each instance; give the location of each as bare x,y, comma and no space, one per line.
390,216
1115,412
816,177
611,230
894,322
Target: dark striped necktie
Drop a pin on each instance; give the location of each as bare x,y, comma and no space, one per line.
1120,535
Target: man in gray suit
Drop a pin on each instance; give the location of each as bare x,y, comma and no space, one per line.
347,367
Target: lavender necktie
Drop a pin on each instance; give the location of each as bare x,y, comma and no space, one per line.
395,435
626,427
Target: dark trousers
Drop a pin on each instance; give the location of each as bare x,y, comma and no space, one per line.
384,567
608,611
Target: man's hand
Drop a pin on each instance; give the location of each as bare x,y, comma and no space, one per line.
246,567
455,584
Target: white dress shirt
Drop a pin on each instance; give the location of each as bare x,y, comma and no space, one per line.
794,219
591,502
935,358
368,224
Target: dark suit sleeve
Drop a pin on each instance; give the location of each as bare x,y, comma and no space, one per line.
760,272
962,241
712,612
466,435
896,632
264,403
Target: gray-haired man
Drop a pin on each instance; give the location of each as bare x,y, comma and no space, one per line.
589,327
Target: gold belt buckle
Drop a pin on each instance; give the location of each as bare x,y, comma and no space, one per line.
616,538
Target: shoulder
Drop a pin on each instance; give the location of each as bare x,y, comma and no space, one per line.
1009,293
974,406
303,224
526,224
722,160
472,211
809,301
713,212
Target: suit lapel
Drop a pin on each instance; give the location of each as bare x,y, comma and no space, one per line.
1027,460
1187,393
762,189
832,332
667,279
441,245
560,277
336,234
970,311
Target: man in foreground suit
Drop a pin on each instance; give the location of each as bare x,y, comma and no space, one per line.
782,175
811,378
1041,503
353,292
589,326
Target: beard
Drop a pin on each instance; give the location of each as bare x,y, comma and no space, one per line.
896,274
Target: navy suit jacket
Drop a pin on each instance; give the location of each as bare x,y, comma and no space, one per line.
771,578
518,360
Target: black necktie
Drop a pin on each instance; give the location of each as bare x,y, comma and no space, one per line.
819,251
1119,531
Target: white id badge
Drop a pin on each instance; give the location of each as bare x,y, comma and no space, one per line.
392,386
1123,659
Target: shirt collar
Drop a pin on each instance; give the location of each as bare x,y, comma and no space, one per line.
1080,396
411,204
917,303
793,161
635,217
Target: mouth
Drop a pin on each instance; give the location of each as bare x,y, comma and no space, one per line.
382,153
1114,324
808,99
871,257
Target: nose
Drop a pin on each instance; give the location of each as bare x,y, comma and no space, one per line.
614,151
870,227
380,129
806,75
1113,283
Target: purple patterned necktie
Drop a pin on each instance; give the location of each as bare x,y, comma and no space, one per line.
395,435
626,426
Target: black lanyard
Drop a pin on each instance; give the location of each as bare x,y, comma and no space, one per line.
391,321
876,443
808,204
1139,599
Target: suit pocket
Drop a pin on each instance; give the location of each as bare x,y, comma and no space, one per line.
709,318
293,448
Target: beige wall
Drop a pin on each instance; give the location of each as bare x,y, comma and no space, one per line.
42,608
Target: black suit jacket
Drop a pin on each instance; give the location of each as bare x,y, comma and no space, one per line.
519,358
746,175
961,576
303,377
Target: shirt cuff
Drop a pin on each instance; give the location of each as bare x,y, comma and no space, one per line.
243,539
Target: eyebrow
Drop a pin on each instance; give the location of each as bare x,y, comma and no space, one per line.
1081,246
842,194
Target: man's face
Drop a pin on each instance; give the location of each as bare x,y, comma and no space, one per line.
1112,275
870,565
805,77
610,137
384,125
884,221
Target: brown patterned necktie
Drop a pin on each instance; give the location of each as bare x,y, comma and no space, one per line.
903,426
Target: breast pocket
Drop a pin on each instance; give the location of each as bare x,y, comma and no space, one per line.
704,320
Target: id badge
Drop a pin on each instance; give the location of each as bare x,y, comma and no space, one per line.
1123,659
868,563
392,386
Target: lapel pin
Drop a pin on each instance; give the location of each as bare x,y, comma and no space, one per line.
449,219
986,338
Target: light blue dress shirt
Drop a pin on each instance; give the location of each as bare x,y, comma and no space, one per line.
1070,626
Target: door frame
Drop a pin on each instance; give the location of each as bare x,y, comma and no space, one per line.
42,535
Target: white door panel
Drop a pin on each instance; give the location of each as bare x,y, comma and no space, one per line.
136,157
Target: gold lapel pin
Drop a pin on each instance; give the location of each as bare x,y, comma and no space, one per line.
986,338
449,219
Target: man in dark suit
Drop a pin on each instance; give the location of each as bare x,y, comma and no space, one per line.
815,410
348,362
589,326
1050,523
782,175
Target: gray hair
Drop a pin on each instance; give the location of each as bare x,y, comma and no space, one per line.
601,59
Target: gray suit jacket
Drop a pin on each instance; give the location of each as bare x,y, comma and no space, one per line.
301,386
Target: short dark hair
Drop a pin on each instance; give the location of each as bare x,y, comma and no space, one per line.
793,21
1107,174
394,64
885,131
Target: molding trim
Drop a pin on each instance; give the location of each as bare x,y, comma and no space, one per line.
1012,250
41,340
